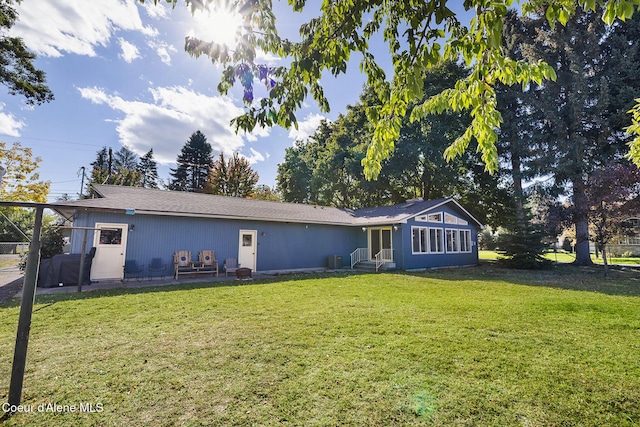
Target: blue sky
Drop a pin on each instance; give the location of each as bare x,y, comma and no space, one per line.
120,76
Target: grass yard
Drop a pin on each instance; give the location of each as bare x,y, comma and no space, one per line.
471,347
564,257
9,260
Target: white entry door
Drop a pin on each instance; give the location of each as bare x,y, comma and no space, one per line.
110,242
247,249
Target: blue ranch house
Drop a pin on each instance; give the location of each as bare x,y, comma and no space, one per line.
129,223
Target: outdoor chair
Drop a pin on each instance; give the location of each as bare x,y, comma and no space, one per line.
182,262
157,268
133,269
208,262
230,266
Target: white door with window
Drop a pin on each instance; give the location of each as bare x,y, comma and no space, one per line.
110,241
247,249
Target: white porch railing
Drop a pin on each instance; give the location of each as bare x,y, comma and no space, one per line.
383,256
360,254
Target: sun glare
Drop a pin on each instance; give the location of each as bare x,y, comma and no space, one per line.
218,26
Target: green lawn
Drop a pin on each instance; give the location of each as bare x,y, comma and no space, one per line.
470,347
564,257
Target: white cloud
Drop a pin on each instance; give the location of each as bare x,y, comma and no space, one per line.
255,156
306,127
263,57
167,123
129,51
54,27
9,125
163,50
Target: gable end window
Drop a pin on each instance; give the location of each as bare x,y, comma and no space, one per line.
432,217
450,219
435,217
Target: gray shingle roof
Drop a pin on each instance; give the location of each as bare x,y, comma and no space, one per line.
177,203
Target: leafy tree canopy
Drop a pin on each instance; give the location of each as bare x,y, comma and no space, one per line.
232,177
419,34
17,71
22,182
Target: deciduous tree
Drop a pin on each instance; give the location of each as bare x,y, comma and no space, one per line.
418,35
22,181
613,196
233,177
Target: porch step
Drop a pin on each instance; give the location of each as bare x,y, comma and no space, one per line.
371,266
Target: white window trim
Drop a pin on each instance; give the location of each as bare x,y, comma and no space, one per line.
427,242
458,233
417,229
466,231
425,218
442,242
456,236
450,219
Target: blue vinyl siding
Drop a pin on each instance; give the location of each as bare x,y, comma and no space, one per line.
411,260
281,246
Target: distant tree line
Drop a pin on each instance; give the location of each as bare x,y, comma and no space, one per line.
195,171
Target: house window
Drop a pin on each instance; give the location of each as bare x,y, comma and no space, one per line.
111,237
632,232
452,240
450,219
435,217
435,241
465,240
458,240
419,240
427,240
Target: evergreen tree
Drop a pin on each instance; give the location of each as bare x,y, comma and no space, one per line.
523,245
148,169
193,165
119,168
233,177
567,128
125,158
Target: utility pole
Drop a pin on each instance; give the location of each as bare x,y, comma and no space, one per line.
110,166
82,182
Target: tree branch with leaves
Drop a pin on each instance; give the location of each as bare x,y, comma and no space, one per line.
418,34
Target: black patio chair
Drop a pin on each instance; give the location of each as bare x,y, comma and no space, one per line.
133,269
157,268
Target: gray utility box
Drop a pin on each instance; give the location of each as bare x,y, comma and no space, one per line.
335,261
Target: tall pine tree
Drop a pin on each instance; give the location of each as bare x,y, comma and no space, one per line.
573,124
148,169
193,165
